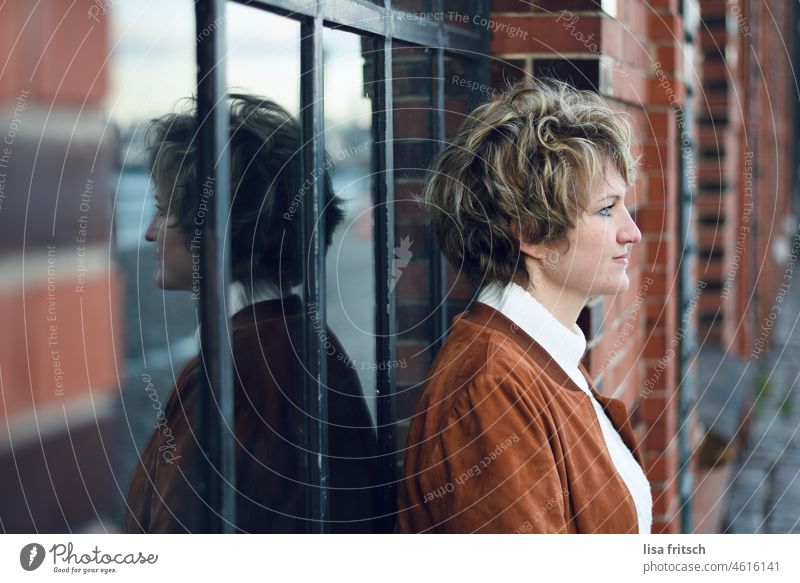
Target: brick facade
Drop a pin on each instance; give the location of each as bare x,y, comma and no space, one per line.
60,294
641,61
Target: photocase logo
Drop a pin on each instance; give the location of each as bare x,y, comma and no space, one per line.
31,556
402,257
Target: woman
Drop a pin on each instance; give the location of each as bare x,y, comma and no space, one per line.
266,326
509,434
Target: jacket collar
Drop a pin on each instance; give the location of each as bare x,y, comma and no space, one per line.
486,316
281,309
565,345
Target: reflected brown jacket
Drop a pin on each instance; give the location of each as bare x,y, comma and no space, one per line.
269,455
503,441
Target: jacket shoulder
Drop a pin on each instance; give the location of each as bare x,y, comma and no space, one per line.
475,359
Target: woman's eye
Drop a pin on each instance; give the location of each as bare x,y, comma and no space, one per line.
606,212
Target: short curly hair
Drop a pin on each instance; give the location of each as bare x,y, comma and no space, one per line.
529,157
265,184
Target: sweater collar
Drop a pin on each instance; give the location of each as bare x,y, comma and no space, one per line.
241,295
565,345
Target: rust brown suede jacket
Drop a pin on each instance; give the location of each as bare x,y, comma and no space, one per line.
503,441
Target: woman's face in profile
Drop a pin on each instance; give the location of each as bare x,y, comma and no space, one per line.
596,260
173,259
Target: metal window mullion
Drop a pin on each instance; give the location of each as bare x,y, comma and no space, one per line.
438,272
315,379
215,434
687,285
361,17
385,317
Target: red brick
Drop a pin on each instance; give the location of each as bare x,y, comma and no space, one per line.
665,500
10,80
670,57
411,122
415,361
71,50
655,345
660,253
666,91
665,27
662,126
664,5
510,6
656,157
662,466
652,219
85,337
653,406
413,281
671,526
457,286
547,34
408,206
16,386
661,188
663,433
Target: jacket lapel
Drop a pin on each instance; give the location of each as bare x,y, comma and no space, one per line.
618,414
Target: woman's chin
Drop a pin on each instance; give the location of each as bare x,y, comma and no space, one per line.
622,285
158,280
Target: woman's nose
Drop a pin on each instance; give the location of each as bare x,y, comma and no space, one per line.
150,233
630,233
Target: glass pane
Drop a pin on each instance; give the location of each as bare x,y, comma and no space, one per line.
151,47
264,300
413,6
464,14
455,13
350,338
266,305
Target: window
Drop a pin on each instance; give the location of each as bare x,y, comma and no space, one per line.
377,90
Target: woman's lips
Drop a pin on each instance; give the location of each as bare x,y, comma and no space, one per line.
621,259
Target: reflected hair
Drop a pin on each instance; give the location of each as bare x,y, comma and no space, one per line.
529,158
266,186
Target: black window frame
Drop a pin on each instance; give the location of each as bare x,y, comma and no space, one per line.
385,25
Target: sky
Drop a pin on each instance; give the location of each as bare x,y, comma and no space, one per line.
153,60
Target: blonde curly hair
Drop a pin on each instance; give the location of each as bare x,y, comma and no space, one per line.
531,158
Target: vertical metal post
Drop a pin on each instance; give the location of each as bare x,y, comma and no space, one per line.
438,267
687,287
217,487
385,317
315,379
794,207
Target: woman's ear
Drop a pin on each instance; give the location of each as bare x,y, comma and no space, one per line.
534,250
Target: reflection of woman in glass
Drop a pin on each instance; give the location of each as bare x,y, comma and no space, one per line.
266,329
510,434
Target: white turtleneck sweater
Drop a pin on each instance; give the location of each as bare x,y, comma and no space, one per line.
567,346
242,295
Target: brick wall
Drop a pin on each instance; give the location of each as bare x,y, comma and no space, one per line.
639,59
60,293
635,60
416,144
